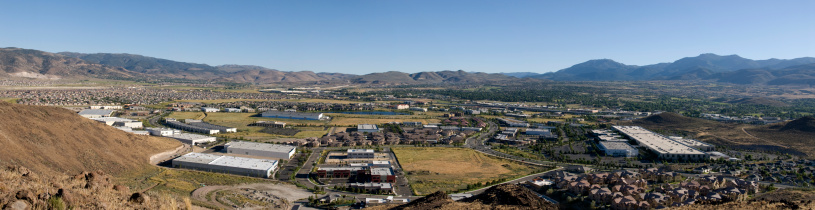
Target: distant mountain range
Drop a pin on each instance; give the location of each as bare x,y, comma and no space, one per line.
16,62
731,68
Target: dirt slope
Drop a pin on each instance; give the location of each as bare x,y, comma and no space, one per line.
504,196
52,139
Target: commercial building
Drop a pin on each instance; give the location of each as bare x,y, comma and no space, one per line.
232,110
367,128
373,187
412,124
226,164
418,109
193,139
260,149
120,122
339,172
664,147
190,128
106,107
221,129
382,175
617,149
293,115
402,106
163,131
130,130
210,109
96,113
513,123
360,153
693,143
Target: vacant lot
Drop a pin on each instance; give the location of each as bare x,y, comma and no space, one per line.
242,121
450,169
180,182
186,115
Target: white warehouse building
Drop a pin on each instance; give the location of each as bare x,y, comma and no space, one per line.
260,149
192,139
617,149
664,147
360,153
227,164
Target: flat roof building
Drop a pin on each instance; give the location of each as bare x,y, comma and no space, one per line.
226,164
360,153
664,147
210,109
190,128
222,129
370,128
618,149
163,131
293,115
260,149
121,122
693,143
96,113
193,139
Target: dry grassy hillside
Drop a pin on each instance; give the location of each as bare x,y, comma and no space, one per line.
732,135
51,139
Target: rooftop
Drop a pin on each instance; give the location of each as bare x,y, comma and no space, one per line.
112,119
242,162
189,136
198,158
96,112
616,145
656,142
360,150
366,127
381,172
260,146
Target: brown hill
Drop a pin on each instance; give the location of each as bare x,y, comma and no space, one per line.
52,139
739,136
504,196
16,62
804,124
672,119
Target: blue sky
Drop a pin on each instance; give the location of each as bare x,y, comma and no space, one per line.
411,36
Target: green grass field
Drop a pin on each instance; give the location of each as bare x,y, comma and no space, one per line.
431,169
10,100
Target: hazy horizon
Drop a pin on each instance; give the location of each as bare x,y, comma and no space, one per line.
361,37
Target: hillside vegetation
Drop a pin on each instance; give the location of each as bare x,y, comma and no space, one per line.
52,139
770,138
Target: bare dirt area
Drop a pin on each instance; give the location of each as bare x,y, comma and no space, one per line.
251,196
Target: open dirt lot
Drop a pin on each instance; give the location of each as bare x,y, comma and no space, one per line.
449,169
251,196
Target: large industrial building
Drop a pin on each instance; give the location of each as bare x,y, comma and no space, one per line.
513,123
617,149
382,175
222,129
193,139
190,128
260,149
163,131
120,122
293,115
664,147
360,153
96,113
367,128
226,164
693,143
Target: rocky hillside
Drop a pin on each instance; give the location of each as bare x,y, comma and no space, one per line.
504,196
16,62
21,188
57,140
804,124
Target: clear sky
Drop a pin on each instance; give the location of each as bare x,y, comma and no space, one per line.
361,37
